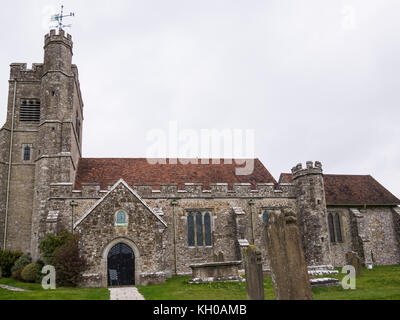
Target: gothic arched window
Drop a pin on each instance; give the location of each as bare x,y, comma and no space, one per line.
121,218
207,229
199,229
338,228
331,228
190,222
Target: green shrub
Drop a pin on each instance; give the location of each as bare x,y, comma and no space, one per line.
7,260
49,245
31,272
69,264
21,262
17,275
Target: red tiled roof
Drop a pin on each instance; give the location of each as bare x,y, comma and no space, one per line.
351,190
286,178
140,171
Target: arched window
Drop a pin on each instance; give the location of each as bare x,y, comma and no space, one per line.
338,228
199,229
190,222
207,229
331,228
265,216
121,218
27,153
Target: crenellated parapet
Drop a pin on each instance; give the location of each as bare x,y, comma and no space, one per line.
60,37
189,190
311,168
20,72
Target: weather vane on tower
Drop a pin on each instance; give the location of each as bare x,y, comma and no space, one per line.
59,19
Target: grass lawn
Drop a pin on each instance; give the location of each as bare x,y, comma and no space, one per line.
36,292
379,283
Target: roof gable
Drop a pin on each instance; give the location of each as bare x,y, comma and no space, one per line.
121,181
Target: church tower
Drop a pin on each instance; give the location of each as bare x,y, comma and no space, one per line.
312,213
43,135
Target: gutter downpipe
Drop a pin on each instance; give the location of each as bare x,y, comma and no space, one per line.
9,165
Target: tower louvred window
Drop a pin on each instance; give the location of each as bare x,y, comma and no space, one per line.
30,111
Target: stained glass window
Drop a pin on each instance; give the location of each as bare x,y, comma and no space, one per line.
121,218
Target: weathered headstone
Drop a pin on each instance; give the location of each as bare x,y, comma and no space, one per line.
354,260
254,273
286,256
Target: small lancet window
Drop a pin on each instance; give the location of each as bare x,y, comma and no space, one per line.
190,222
331,228
121,218
207,229
27,153
199,229
338,228
265,216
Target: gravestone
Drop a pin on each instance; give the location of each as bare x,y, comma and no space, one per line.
286,256
254,273
354,260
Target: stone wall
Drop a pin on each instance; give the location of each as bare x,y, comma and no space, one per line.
339,249
145,233
224,219
382,234
312,212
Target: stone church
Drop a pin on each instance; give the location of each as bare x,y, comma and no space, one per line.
140,222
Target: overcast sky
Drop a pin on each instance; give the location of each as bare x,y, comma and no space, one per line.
316,80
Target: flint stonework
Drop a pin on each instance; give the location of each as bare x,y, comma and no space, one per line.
40,191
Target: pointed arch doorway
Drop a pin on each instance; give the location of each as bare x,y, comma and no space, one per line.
121,265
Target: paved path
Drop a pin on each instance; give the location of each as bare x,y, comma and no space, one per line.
126,293
11,288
